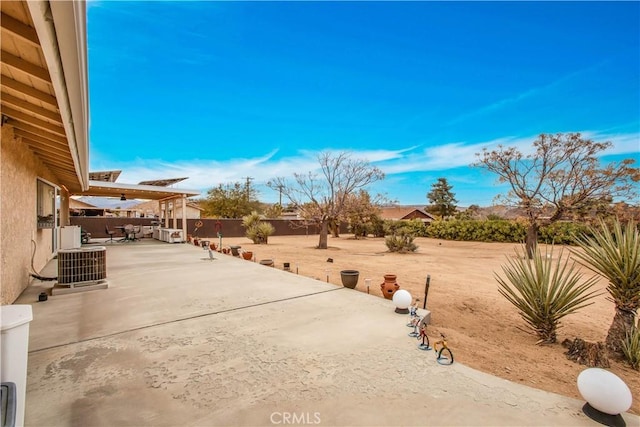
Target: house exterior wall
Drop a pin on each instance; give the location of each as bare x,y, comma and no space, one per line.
192,213
19,170
151,208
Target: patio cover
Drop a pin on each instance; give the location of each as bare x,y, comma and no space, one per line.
135,191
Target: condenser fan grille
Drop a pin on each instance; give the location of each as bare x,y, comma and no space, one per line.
82,266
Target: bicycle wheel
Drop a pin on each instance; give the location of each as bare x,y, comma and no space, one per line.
424,345
445,357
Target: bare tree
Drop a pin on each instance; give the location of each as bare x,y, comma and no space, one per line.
561,176
322,198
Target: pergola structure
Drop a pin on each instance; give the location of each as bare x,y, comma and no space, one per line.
164,196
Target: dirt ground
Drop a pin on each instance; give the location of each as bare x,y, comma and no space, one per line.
482,327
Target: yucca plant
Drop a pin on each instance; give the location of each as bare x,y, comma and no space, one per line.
544,291
264,230
631,347
615,255
256,229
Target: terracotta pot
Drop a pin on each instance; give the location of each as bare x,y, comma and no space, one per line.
212,246
389,286
196,242
248,255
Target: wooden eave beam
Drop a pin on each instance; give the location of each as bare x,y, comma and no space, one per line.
42,140
52,159
19,29
24,66
64,171
19,115
29,91
32,108
58,151
40,132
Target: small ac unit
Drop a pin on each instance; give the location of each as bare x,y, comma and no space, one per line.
82,267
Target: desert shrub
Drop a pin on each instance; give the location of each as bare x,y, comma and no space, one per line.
401,241
631,347
256,229
562,233
481,231
415,227
544,292
391,227
375,226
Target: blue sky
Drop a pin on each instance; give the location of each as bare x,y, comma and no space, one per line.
220,91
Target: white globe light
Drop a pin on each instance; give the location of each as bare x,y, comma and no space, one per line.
604,391
402,300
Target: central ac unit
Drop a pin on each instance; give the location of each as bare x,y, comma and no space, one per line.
82,267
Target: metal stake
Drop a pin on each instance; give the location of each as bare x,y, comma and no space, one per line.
426,291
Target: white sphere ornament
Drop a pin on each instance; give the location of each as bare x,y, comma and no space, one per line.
604,391
402,300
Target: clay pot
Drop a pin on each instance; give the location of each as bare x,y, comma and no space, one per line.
196,242
349,278
248,255
389,286
212,246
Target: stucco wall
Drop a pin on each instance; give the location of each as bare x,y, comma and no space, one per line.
19,170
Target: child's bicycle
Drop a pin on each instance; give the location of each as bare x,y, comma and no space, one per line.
444,356
425,339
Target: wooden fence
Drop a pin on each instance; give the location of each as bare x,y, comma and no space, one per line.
210,226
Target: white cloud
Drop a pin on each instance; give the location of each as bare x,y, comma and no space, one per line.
204,174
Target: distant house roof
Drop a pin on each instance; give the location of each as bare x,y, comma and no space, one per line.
163,182
405,213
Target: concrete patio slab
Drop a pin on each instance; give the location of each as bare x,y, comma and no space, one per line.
179,340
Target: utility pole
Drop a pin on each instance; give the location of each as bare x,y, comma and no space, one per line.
248,185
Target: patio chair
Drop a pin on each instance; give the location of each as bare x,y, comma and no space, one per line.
110,233
129,233
84,236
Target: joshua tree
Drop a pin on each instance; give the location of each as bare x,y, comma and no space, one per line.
561,176
615,255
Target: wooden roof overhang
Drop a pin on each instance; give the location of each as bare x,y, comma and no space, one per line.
43,87
133,191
